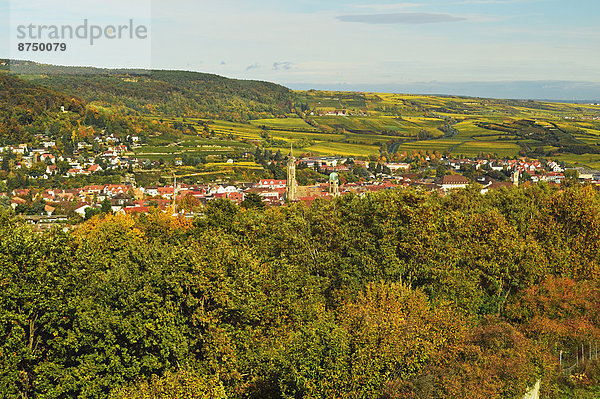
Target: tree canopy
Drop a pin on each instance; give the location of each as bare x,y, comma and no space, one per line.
398,294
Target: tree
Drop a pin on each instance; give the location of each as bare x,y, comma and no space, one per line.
559,313
393,334
4,202
492,360
38,207
218,214
184,384
38,282
440,172
5,162
571,178
105,206
393,294
252,200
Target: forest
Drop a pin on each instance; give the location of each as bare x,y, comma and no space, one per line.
158,92
396,294
23,107
28,110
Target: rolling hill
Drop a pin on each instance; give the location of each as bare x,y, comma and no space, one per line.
173,93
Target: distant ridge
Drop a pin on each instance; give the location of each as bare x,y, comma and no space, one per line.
575,91
563,91
176,93
31,68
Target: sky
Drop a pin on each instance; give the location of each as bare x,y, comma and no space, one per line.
490,48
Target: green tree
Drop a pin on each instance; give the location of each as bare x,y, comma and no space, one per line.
5,166
218,214
252,200
38,281
105,206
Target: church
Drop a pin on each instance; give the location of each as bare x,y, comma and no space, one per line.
294,192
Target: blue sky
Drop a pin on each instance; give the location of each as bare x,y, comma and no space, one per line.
351,44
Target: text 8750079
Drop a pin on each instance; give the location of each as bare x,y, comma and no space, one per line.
42,46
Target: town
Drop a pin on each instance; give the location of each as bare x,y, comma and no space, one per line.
332,176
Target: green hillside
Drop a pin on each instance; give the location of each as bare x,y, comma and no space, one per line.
29,111
25,108
174,93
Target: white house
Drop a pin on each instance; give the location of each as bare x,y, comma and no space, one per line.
451,182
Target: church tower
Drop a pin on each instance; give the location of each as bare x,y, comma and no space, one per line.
515,177
290,188
334,184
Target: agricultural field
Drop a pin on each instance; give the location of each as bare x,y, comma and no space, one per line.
474,148
363,124
344,149
377,123
427,145
189,145
591,161
293,123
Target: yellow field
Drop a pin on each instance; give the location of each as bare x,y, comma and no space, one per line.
343,149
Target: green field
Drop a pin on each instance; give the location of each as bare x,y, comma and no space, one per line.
474,148
428,145
365,124
376,122
585,160
285,123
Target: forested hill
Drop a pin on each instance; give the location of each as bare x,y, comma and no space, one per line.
24,106
18,94
174,93
28,109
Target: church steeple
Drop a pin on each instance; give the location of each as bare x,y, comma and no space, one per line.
290,187
334,184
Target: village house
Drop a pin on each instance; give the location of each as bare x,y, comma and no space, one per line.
271,183
150,191
48,158
235,197
113,189
553,177
95,168
76,171
166,192
394,167
338,168
451,182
